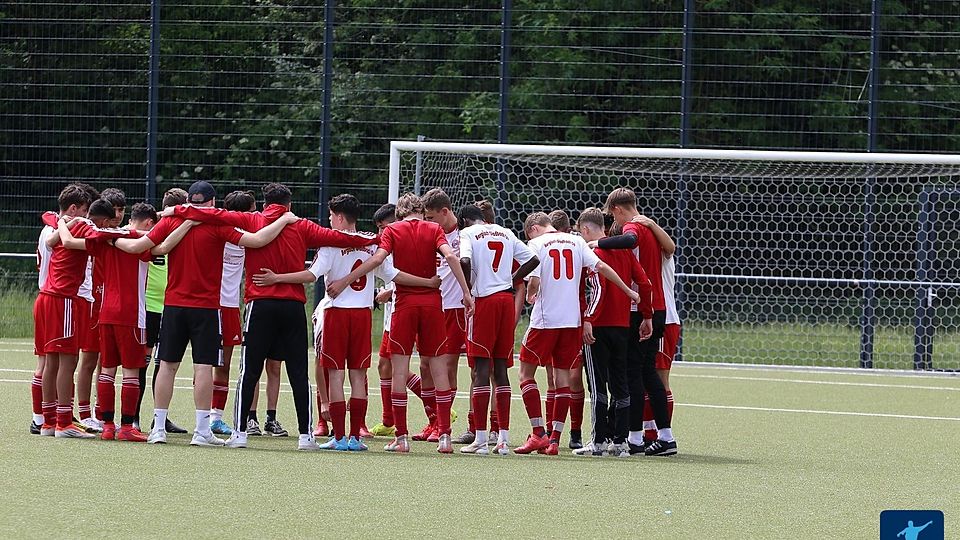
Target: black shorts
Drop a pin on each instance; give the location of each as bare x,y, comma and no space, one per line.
153,328
200,327
275,329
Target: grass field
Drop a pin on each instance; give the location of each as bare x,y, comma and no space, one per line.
764,454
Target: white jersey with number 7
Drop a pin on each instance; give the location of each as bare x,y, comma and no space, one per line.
491,250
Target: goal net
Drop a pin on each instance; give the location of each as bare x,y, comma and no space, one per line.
784,258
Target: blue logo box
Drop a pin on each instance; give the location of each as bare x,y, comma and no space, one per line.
911,525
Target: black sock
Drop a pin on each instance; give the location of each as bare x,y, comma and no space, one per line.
252,415
271,415
126,419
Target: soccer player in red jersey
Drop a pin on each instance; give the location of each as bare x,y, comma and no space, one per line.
642,373
346,320
191,311
438,209
554,335
44,252
487,253
276,324
606,331
419,314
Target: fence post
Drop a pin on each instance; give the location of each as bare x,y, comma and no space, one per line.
923,320
868,318
153,96
680,233
503,129
323,190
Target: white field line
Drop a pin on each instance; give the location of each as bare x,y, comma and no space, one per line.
376,393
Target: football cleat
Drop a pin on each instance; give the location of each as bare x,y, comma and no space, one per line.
128,433
237,440
552,450
424,434
381,430
273,428
205,439
92,425
343,445
34,428
434,436
322,429
444,444
502,448
331,444
109,432
157,436
633,449
307,443
618,450
479,448
169,427
72,432
219,427
356,445
534,443
492,438
453,416
586,450
48,430
660,447
253,428
400,444
365,433
576,439
467,438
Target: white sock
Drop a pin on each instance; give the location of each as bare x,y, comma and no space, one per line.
160,419
665,434
649,424
203,422
216,414
481,436
38,419
635,438
504,436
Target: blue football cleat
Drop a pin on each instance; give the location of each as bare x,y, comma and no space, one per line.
220,427
356,445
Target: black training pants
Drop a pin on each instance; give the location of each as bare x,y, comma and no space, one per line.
642,373
606,362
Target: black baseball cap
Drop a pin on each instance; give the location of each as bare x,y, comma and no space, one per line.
200,192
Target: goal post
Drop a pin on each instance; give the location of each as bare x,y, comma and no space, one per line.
786,258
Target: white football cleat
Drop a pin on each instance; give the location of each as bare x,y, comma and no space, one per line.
206,439
237,440
157,436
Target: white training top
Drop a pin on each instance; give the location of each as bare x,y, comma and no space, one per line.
44,253
388,307
668,273
233,256
562,257
492,250
86,288
449,288
335,263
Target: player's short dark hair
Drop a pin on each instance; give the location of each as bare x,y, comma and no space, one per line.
115,197
436,199
471,212
620,197
239,201
593,216
560,220
101,208
486,207
92,192
347,205
276,193
143,211
536,218
174,197
385,212
408,204
73,194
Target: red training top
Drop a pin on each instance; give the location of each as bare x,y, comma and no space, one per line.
649,255
414,244
609,305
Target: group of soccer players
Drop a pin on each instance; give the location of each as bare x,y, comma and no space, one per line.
115,295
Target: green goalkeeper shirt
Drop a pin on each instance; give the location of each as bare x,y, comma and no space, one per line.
156,285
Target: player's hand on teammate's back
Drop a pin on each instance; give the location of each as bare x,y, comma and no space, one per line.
435,282
334,288
592,244
386,295
167,212
264,279
646,329
634,296
588,333
644,220
289,218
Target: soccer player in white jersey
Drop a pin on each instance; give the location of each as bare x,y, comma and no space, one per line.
487,254
554,332
671,330
44,252
345,340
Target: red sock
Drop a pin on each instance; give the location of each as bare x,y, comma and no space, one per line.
36,391
649,424
358,413
399,402
338,416
107,395
444,403
386,386
504,395
429,397
481,403
129,395
471,421
531,402
670,406
49,409
64,414
97,412
560,407
548,408
220,390
413,384
494,421
320,408
83,407
576,410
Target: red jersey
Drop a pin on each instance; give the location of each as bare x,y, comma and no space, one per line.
414,244
125,279
196,264
609,305
648,253
285,254
68,267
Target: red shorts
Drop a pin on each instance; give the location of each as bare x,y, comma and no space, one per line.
490,330
456,323
55,324
423,325
472,364
668,346
557,347
123,346
230,326
385,345
346,338
87,326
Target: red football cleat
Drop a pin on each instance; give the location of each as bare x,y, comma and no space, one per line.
365,433
322,429
128,433
109,432
434,435
424,434
552,450
534,444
